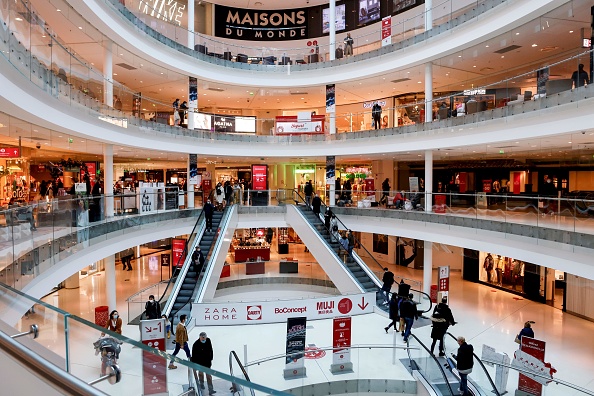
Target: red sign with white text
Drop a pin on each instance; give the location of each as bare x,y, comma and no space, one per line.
535,348
386,30
341,339
154,367
259,177
177,248
10,152
517,181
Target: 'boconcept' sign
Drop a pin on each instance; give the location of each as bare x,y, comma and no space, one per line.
260,25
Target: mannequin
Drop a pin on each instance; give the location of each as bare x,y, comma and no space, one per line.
499,266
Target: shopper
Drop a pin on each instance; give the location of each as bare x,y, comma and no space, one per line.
228,193
117,103
408,312
269,235
351,242
152,310
385,192
526,331
208,212
376,113
202,354
464,363
347,189
348,45
198,260
388,280
316,204
114,323
327,217
182,112
394,313
181,340
308,191
176,119
167,326
580,77
442,318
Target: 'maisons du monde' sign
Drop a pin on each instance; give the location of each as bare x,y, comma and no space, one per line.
260,25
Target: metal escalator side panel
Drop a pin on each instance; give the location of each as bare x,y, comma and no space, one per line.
323,252
214,265
236,388
429,367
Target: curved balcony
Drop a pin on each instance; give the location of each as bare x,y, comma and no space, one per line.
137,37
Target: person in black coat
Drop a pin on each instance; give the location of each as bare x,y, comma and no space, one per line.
208,211
388,280
316,204
152,309
464,363
308,191
202,354
408,311
442,318
394,314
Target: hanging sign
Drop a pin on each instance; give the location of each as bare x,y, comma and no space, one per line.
386,31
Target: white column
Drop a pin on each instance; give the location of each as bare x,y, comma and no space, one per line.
110,282
332,36
332,116
428,181
191,24
108,74
427,267
428,14
428,92
332,200
108,179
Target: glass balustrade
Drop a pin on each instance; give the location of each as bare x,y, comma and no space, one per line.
40,57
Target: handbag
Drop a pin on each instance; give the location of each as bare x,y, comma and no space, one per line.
517,340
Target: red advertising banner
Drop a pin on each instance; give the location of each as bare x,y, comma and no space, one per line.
206,188
462,182
177,248
370,186
536,349
10,152
386,31
487,185
440,203
154,367
517,180
341,339
92,169
259,177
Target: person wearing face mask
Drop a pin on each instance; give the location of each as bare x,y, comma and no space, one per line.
152,309
202,354
181,340
114,323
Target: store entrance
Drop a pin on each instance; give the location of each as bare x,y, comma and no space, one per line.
556,288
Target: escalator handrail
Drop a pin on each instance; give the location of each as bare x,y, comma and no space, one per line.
325,242
445,378
428,298
233,356
214,251
494,390
346,228
184,254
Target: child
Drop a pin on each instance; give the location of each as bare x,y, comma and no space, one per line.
167,326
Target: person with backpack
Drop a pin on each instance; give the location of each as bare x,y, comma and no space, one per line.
442,318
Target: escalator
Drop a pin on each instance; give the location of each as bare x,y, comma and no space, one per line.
237,370
431,372
359,268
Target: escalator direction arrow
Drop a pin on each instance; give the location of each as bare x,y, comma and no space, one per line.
363,304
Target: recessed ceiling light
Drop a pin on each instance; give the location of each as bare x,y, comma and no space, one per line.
59,10
459,56
115,74
569,142
487,46
571,31
534,45
18,19
474,66
80,27
502,56
517,33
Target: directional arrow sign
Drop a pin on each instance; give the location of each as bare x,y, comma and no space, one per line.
363,304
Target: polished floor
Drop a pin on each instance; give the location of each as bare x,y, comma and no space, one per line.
485,316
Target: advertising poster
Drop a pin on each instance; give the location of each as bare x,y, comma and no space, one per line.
369,11
542,76
259,177
295,347
443,285
136,104
517,182
193,169
330,169
193,92
370,188
440,203
413,184
339,22
341,340
402,5
10,152
224,124
177,248
165,259
386,31
261,25
487,185
531,357
291,125
147,199
330,98
154,367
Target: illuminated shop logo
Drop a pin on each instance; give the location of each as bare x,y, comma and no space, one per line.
254,312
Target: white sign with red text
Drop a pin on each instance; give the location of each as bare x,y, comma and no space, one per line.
233,313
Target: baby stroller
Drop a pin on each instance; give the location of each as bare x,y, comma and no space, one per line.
109,348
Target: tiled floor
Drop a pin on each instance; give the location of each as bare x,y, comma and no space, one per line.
485,316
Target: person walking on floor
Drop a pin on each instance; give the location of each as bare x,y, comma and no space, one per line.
202,354
152,310
408,311
442,318
208,211
388,280
464,363
181,340
394,314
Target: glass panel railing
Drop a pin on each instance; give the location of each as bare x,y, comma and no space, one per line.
237,369
67,341
480,378
422,360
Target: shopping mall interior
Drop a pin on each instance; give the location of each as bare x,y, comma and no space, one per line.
304,148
